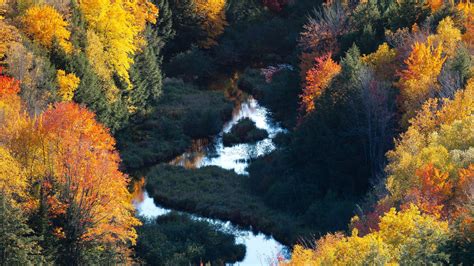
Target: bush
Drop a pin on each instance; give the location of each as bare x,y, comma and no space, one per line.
178,239
244,131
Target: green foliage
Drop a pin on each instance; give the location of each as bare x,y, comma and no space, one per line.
280,95
178,239
145,75
182,112
18,244
192,65
405,13
243,132
224,195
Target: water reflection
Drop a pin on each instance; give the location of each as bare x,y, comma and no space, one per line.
261,249
204,152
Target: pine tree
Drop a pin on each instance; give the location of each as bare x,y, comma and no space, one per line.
18,245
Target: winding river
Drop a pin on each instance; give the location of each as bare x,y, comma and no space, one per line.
261,249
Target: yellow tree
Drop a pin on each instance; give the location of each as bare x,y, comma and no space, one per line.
44,24
213,12
447,35
68,83
418,81
407,237
119,37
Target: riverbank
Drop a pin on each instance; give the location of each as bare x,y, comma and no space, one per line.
221,194
183,113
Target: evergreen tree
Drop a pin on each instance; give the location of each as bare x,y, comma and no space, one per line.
18,245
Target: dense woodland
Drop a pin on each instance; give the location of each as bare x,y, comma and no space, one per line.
376,165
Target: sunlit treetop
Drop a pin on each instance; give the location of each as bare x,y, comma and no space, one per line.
45,25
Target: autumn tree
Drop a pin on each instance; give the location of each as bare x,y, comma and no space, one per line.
89,192
318,79
447,36
404,237
45,25
68,83
418,81
118,39
213,12
321,33
468,9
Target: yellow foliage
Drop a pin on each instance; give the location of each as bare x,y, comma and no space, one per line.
402,236
382,60
45,24
12,180
213,12
419,79
67,85
10,35
438,136
447,36
117,25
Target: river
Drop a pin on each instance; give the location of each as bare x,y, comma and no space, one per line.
260,249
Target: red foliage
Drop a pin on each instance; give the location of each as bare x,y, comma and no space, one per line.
8,85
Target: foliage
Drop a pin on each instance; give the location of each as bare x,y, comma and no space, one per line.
18,245
418,81
318,79
244,131
405,237
179,239
46,25
213,12
116,41
67,85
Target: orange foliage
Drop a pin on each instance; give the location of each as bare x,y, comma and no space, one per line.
419,80
468,9
90,186
433,193
318,79
8,85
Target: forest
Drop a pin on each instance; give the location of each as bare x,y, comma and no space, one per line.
246,132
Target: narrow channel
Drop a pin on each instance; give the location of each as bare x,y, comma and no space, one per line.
260,249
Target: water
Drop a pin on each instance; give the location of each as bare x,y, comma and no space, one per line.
261,249
203,153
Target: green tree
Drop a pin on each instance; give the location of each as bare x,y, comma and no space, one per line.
18,245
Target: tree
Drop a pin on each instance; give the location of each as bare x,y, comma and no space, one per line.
10,35
321,33
147,81
213,12
89,193
418,81
318,79
67,85
405,237
438,135
46,25
468,9
447,36
18,244
119,38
